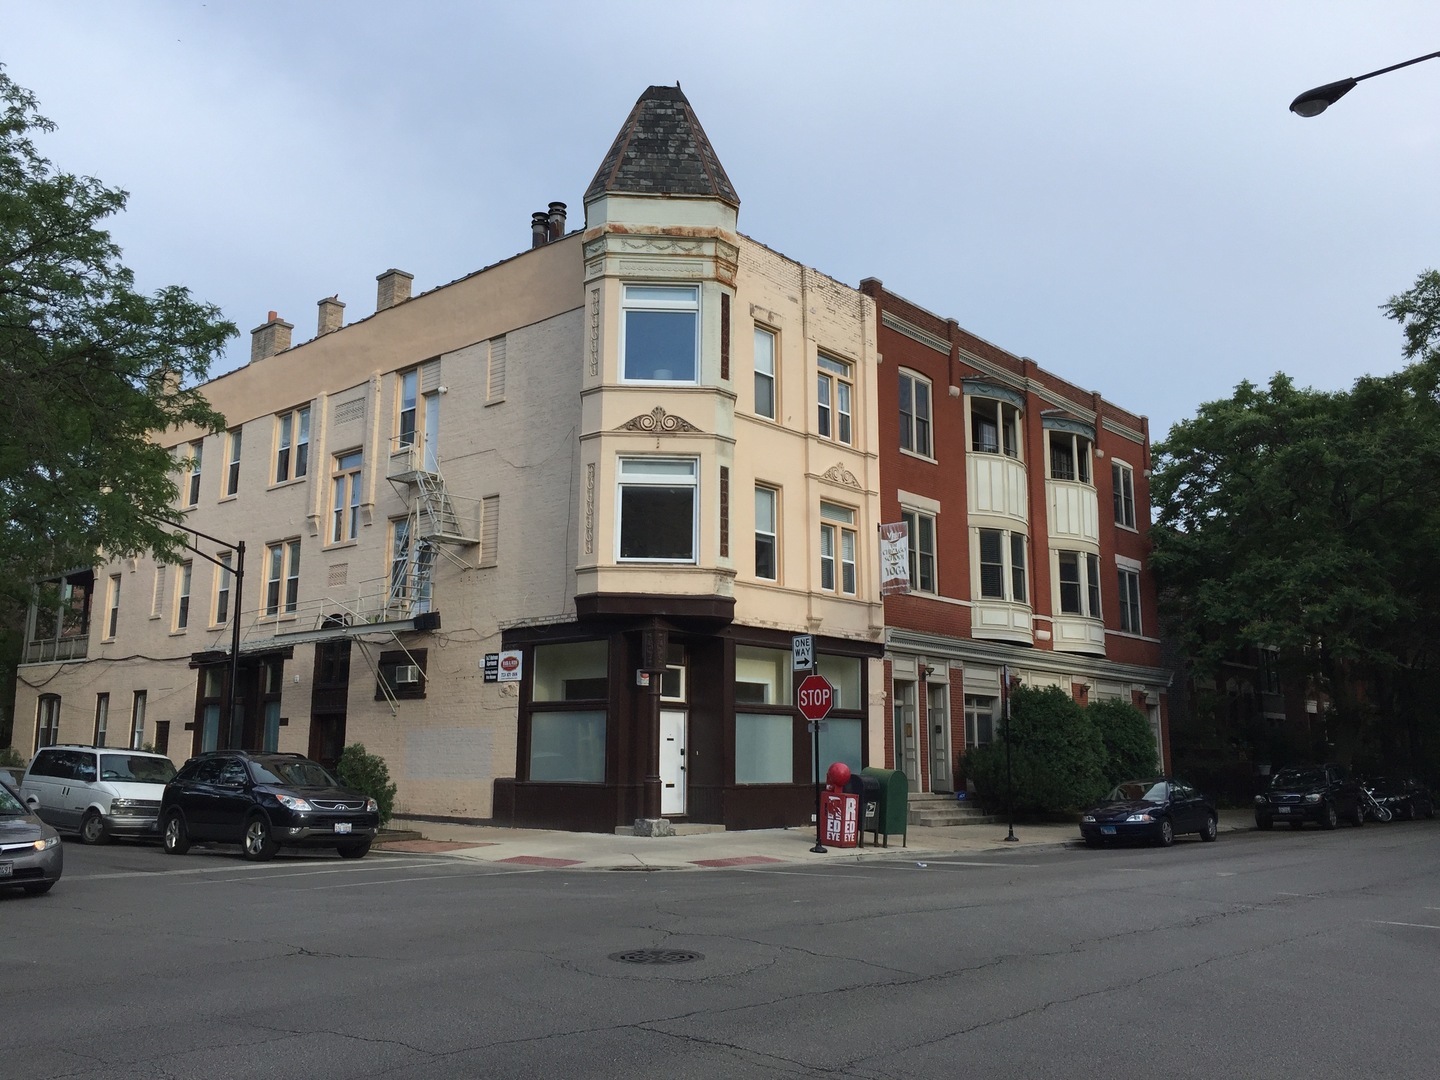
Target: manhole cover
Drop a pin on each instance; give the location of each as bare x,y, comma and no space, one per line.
656,956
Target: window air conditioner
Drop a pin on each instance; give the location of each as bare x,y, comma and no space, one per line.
407,674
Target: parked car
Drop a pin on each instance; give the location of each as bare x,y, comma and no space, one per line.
1158,810
31,855
10,778
264,801
1405,798
1319,793
98,791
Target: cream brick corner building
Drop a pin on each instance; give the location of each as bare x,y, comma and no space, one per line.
540,537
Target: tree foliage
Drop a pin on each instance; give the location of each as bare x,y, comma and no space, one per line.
1308,521
90,369
367,773
1129,743
1057,756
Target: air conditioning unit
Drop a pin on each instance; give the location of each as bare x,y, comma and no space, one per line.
407,674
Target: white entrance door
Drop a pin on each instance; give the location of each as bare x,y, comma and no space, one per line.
672,761
937,716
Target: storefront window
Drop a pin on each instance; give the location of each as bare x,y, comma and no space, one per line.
840,741
844,674
764,748
575,671
568,746
762,676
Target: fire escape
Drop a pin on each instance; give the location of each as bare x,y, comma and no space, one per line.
439,522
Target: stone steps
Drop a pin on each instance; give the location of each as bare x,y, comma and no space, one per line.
944,811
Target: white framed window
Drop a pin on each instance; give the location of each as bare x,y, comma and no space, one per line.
979,720
994,427
921,527
1130,600
765,353
282,577
410,565
102,718
1123,480
1069,456
345,496
1079,580
915,414
192,491
222,589
408,398
137,720
47,720
660,333
112,614
835,387
182,595
767,546
837,549
657,511
292,444
232,471
1002,565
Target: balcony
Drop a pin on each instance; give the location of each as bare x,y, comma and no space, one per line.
52,650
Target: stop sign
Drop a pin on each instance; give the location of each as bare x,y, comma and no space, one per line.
815,696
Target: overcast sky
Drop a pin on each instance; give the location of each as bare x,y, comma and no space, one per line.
1113,188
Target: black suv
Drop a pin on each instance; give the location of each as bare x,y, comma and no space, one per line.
263,801
1319,793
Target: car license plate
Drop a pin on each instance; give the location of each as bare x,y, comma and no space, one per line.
1107,830
5,869
1282,809
342,826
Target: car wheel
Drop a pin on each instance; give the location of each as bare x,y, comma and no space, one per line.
1329,819
1264,823
1210,830
358,850
1429,810
1167,832
92,829
40,888
258,842
173,835
1358,818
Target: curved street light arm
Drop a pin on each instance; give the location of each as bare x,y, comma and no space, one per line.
1314,102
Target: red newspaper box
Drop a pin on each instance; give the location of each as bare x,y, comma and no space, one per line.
842,818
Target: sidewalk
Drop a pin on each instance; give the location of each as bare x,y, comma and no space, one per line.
707,850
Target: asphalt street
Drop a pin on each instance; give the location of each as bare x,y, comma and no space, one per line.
1277,954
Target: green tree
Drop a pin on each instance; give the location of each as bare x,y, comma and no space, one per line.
367,773
1057,756
1308,521
1129,742
90,370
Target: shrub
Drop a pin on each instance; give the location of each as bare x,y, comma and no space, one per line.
1129,742
1058,757
9,756
368,773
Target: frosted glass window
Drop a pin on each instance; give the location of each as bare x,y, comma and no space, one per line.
764,749
567,747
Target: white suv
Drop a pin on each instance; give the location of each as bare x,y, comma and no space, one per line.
97,791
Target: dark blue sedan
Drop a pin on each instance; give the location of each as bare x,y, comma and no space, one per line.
1155,810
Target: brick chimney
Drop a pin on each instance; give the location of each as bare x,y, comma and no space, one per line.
539,229
557,221
271,338
332,315
394,288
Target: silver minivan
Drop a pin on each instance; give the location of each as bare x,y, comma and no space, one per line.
97,791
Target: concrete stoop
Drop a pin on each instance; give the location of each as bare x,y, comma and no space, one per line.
944,810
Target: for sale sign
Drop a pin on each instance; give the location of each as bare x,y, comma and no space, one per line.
510,666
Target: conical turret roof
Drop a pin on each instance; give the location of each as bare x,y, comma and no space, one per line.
662,150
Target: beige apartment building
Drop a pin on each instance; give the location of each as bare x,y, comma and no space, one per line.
540,537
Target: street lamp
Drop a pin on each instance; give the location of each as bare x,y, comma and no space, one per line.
1314,102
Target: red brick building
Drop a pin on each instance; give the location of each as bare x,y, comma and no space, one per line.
1027,506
